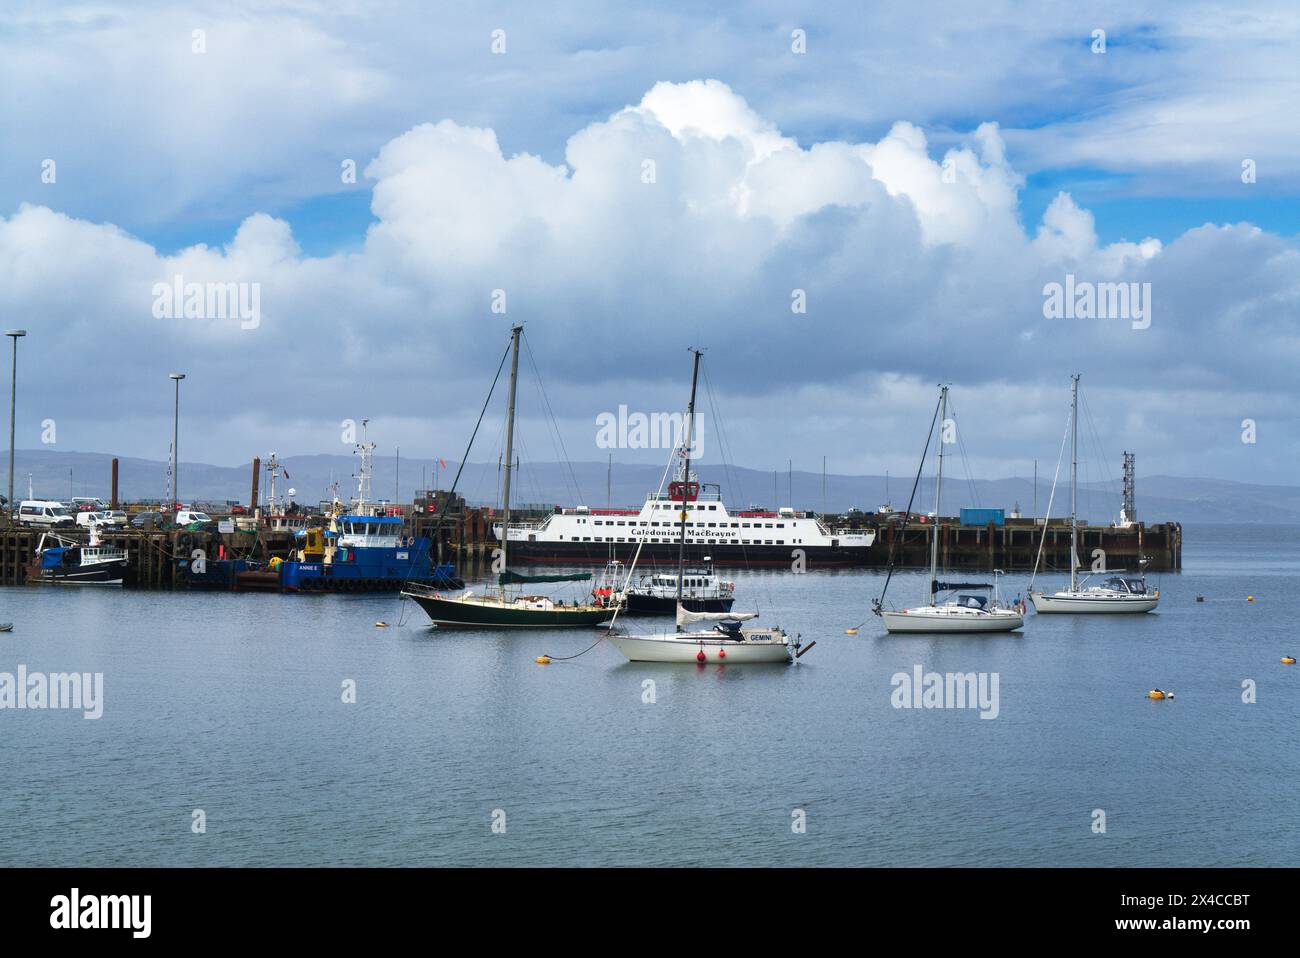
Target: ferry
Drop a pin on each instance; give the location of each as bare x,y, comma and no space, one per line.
748,537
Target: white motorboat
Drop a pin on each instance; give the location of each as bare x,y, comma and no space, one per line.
1121,592
964,612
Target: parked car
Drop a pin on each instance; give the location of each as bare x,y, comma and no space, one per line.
238,510
87,504
142,519
45,512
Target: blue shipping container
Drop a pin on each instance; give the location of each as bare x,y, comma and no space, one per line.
982,517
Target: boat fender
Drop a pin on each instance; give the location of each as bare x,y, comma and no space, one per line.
1288,660
543,660
381,625
1158,694
722,653
1250,598
850,631
700,656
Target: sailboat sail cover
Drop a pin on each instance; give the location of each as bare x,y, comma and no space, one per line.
954,586
686,617
514,578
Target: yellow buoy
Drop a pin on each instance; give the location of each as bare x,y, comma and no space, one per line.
1250,598
543,660
1288,660
850,631
381,625
1158,694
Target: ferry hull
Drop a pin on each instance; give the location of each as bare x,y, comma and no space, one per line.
717,651
665,554
1080,604
938,621
448,612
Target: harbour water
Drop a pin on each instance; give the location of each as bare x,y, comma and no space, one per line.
233,704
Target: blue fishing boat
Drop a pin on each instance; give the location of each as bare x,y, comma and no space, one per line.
362,553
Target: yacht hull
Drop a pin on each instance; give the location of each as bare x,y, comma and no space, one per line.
938,620
761,646
1080,603
485,613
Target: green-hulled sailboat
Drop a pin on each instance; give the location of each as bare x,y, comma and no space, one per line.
507,608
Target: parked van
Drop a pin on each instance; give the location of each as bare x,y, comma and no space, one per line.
188,516
43,512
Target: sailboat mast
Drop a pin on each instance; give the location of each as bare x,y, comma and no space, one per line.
686,475
1074,483
510,440
938,495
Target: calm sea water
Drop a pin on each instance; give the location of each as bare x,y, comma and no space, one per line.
233,704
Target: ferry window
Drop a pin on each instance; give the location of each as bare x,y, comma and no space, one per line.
745,525
780,525
767,525
780,542
712,508
735,525
654,523
620,522
597,522
713,525
587,539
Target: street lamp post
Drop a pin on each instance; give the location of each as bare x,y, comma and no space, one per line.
176,419
13,334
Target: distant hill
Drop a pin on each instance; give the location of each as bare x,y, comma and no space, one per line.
59,475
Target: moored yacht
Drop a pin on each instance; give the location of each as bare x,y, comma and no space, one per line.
965,611
1118,594
728,641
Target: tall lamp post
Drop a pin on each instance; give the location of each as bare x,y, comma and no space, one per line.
13,334
176,419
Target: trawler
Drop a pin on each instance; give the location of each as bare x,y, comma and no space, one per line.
69,562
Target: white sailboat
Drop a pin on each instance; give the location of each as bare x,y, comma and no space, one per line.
1119,593
728,641
965,611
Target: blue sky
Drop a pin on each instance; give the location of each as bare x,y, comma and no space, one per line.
919,171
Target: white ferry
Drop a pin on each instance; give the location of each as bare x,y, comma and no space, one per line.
752,537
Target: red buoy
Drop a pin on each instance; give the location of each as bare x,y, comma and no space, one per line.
722,653
699,656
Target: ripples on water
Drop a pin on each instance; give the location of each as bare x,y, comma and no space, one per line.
232,704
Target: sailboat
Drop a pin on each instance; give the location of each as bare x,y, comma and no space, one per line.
728,641
503,607
966,611
1119,593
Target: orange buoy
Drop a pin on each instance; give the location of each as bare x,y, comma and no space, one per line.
543,660
1159,694
850,631
1288,660
722,653
1250,598
700,656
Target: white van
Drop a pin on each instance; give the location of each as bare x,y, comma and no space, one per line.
187,516
104,517
43,512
